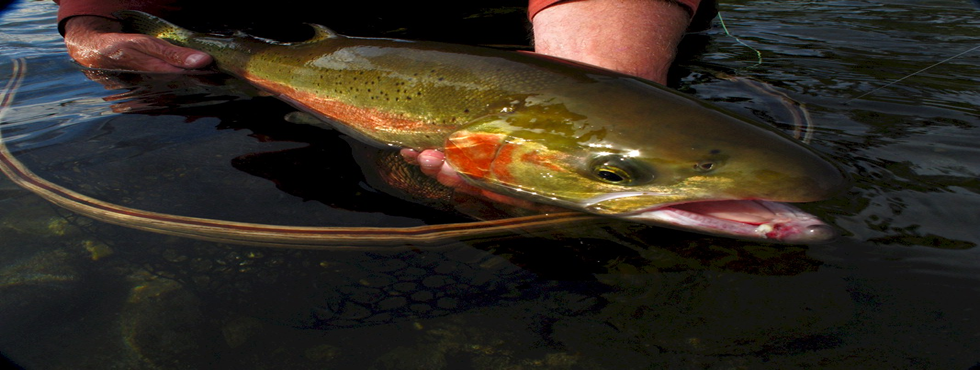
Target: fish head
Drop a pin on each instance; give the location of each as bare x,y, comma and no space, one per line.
651,156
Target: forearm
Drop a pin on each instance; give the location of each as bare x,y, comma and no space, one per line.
637,37
68,9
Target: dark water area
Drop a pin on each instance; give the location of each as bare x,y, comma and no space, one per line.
897,291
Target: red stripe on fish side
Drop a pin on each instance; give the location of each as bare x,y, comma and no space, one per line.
472,154
364,119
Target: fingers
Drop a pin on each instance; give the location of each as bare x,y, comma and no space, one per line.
410,155
97,43
433,163
430,161
142,53
145,53
176,56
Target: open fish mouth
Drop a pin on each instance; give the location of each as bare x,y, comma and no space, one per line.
748,219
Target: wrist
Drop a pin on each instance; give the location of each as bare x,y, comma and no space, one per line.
85,24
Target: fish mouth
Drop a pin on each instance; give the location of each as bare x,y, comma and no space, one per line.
745,219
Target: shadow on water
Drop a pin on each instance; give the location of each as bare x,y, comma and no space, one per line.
897,292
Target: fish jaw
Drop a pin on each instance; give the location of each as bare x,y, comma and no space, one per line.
743,219
505,165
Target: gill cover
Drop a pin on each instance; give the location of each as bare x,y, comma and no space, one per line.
533,152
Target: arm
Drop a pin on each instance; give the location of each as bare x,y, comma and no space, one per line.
93,38
637,37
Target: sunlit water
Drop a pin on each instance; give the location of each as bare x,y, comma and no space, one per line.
898,291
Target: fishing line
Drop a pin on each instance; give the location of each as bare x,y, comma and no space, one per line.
758,54
914,73
975,2
802,122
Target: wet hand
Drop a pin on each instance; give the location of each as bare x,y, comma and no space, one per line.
433,163
97,42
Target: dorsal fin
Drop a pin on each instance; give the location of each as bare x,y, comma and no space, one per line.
320,32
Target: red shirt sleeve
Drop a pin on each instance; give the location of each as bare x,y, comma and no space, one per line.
105,8
535,6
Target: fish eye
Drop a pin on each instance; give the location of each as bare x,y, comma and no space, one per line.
621,171
612,174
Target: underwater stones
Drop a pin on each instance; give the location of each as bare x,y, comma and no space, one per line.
322,353
405,287
363,295
376,280
492,338
411,358
331,289
447,303
384,265
392,303
601,346
33,219
239,330
411,274
422,296
163,325
43,285
715,313
353,311
437,281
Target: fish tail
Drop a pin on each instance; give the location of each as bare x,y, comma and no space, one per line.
140,22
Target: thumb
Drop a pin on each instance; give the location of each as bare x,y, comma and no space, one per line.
187,58
178,56
193,59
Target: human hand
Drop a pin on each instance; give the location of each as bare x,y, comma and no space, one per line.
98,42
433,163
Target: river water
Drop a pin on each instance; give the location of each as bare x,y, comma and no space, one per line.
898,290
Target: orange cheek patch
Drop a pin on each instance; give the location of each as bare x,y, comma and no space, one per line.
472,154
541,160
503,163
491,156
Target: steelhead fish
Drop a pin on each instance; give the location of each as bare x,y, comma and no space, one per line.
543,129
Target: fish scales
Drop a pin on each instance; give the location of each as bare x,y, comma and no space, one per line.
543,129
397,92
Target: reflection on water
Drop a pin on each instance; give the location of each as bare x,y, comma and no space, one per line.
897,292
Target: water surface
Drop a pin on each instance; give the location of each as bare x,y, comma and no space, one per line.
897,291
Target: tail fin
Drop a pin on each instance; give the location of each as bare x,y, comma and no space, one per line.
148,24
